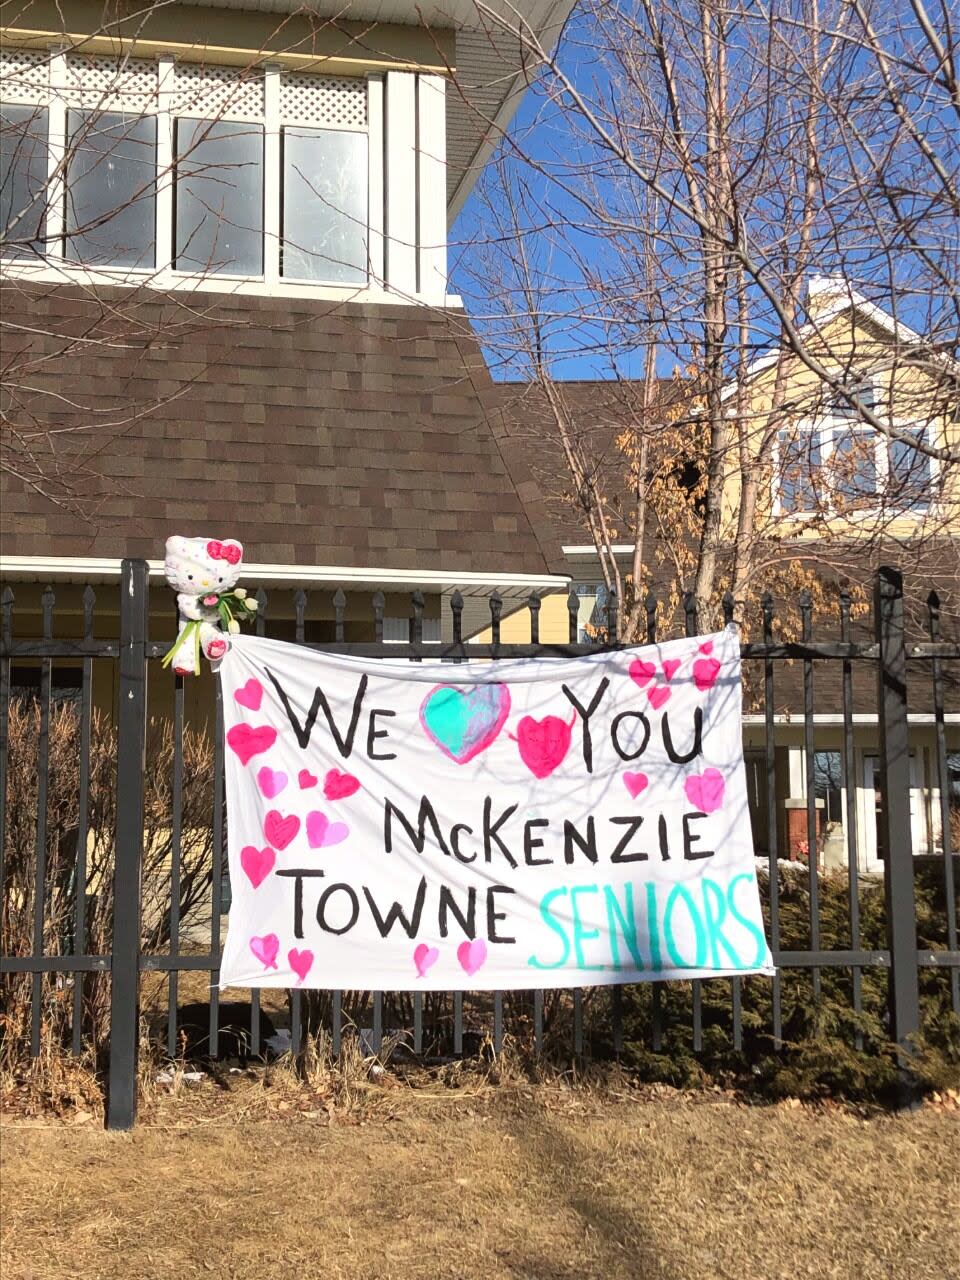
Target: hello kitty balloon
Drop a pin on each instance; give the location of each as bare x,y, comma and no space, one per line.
204,573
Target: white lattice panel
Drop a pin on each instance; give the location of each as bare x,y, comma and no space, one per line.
324,101
214,93
110,84
24,76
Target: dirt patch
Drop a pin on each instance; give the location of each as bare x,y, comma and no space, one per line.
514,1182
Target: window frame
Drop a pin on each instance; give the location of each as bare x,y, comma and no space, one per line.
59,85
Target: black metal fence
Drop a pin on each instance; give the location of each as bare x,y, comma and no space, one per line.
63,961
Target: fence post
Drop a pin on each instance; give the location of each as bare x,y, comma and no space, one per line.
128,858
895,830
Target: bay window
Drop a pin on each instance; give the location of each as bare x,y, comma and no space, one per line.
219,197
111,179
23,179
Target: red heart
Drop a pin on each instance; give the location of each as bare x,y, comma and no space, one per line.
257,863
280,830
248,741
658,695
635,783
543,743
307,779
337,785
250,694
301,962
641,672
705,672
670,667
707,648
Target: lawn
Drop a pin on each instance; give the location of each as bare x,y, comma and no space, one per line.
516,1181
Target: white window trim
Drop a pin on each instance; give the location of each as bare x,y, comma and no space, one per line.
164,275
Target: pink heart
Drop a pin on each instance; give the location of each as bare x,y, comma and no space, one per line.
635,783
280,830
705,672
658,695
424,958
707,648
249,694
670,667
248,741
322,832
265,949
705,790
271,781
307,779
472,955
301,962
641,672
257,863
337,785
543,743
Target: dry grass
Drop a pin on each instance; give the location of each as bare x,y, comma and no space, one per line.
276,1178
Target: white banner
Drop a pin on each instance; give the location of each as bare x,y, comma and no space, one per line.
497,825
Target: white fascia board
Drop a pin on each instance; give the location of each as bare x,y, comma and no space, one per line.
588,549
91,568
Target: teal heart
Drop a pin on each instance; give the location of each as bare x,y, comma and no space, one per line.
463,722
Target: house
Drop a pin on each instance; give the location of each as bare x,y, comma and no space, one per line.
839,493
225,307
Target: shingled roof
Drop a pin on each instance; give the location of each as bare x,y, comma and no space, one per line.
317,433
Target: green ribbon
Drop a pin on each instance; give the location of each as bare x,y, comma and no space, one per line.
192,629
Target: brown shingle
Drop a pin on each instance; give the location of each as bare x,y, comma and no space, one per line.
314,433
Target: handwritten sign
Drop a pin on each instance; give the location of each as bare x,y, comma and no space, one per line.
517,824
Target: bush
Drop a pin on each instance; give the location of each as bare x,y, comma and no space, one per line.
826,1047
57,919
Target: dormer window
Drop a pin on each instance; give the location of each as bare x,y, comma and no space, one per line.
838,464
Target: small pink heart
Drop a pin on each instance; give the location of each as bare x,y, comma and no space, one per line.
248,741
301,962
337,785
670,667
280,830
265,949
472,955
641,672
249,694
307,779
705,672
424,958
321,832
257,863
635,783
271,781
705,790
707,648
543,744
658,695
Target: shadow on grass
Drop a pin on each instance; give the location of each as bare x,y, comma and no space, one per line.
620,1242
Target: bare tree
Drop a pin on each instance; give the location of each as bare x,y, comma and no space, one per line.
739,150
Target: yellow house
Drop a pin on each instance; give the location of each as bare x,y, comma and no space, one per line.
837,468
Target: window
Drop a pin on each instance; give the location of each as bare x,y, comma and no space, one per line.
911,475
860,395
799,464
853,466
23,178
268,176
111,189
219,200
324,205
828,783
399,630
591,616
